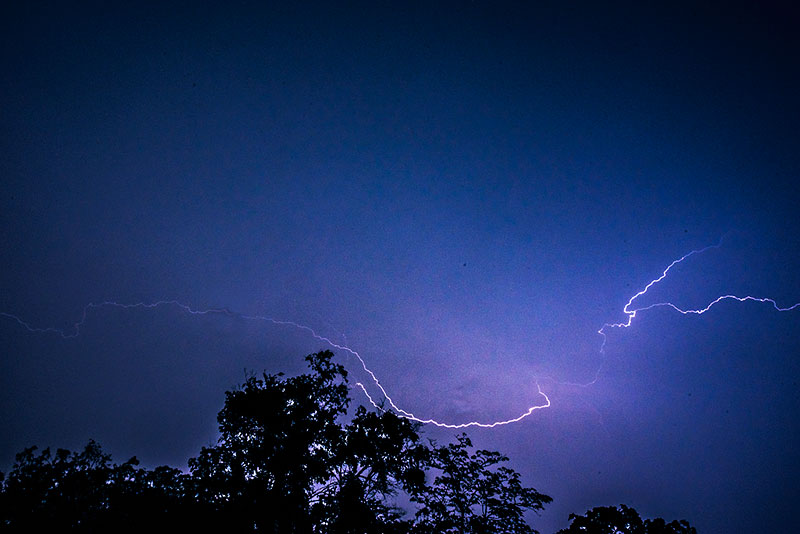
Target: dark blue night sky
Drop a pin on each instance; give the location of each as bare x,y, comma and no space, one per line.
464,193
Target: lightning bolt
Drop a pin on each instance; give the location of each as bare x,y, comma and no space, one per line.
631,313
628,310
76,330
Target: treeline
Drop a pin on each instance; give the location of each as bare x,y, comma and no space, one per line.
290,460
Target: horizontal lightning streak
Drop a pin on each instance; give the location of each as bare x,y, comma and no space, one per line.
630,313
76,329
719,299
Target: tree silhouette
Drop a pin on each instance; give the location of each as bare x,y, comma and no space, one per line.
276,445
473,493
85,492
622,520
292,458
379,456
51,491
285,463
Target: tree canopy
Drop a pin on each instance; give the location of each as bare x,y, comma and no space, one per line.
292,457
622,520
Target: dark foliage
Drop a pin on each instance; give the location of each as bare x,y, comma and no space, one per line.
473,493
84,492
622,520
277,444
290,459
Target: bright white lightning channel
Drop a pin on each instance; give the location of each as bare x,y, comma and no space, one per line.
628,310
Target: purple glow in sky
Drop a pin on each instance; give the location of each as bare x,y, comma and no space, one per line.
385,395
